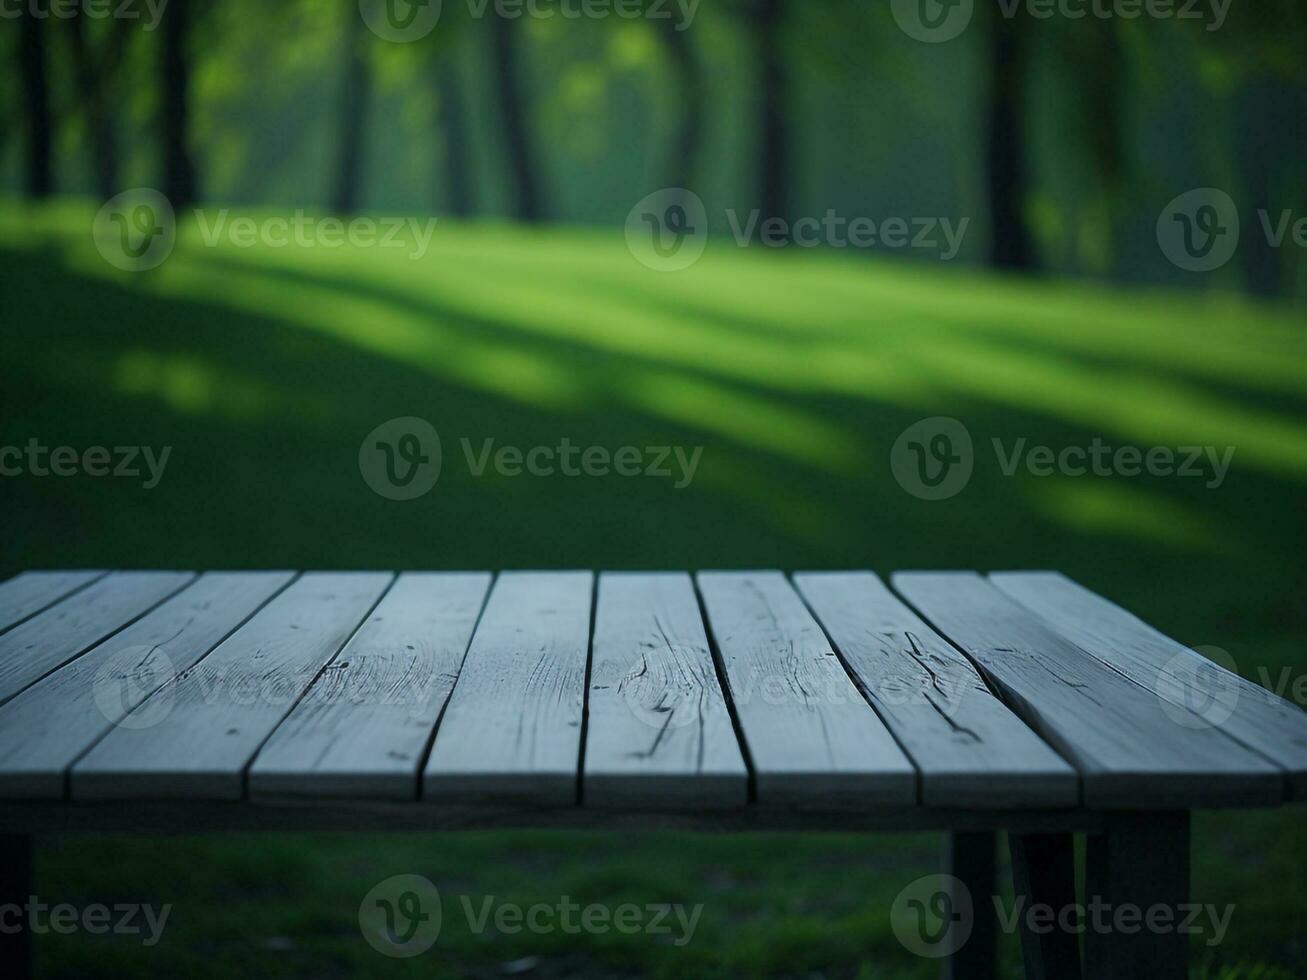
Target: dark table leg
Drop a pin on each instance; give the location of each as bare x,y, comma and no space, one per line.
1044,882
16,884
1137,871
972,861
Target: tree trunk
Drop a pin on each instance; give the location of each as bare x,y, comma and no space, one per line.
38,178
1010,246
92,82
522,165
773,135
1265,115
683,166
355,93
179,182
454,138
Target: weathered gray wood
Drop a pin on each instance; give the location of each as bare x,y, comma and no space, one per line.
659,733
1129,753
810,735
50,639
363,728
1139,864
512,727
27,594
1245,711
47,727
226,706
189,817
969,748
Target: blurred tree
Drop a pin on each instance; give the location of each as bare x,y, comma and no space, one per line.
765,19
682,165
518,147
38,177
355,94
1006,140
95,67
179,180
455,137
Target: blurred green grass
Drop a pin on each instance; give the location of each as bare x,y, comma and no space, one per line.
264,368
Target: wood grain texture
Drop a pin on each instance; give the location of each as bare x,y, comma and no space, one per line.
224,708
63,632
812,739
363,728
1247,712
1129,752
512,727
27,594
47,727
970,749
659,732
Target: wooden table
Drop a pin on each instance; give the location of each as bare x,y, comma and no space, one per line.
165,702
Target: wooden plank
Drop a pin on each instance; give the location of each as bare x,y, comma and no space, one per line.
226,706
363,728
47,727
1129,753
512,728
27,594
659,733
811,737
1244,710
969,748
51,639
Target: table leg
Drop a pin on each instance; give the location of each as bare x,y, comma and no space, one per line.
972,861
1044,883
1139,863
16,884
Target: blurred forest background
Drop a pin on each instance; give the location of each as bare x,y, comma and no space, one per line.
1061,321
1064,137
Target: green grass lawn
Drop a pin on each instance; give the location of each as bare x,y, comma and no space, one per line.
264,368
